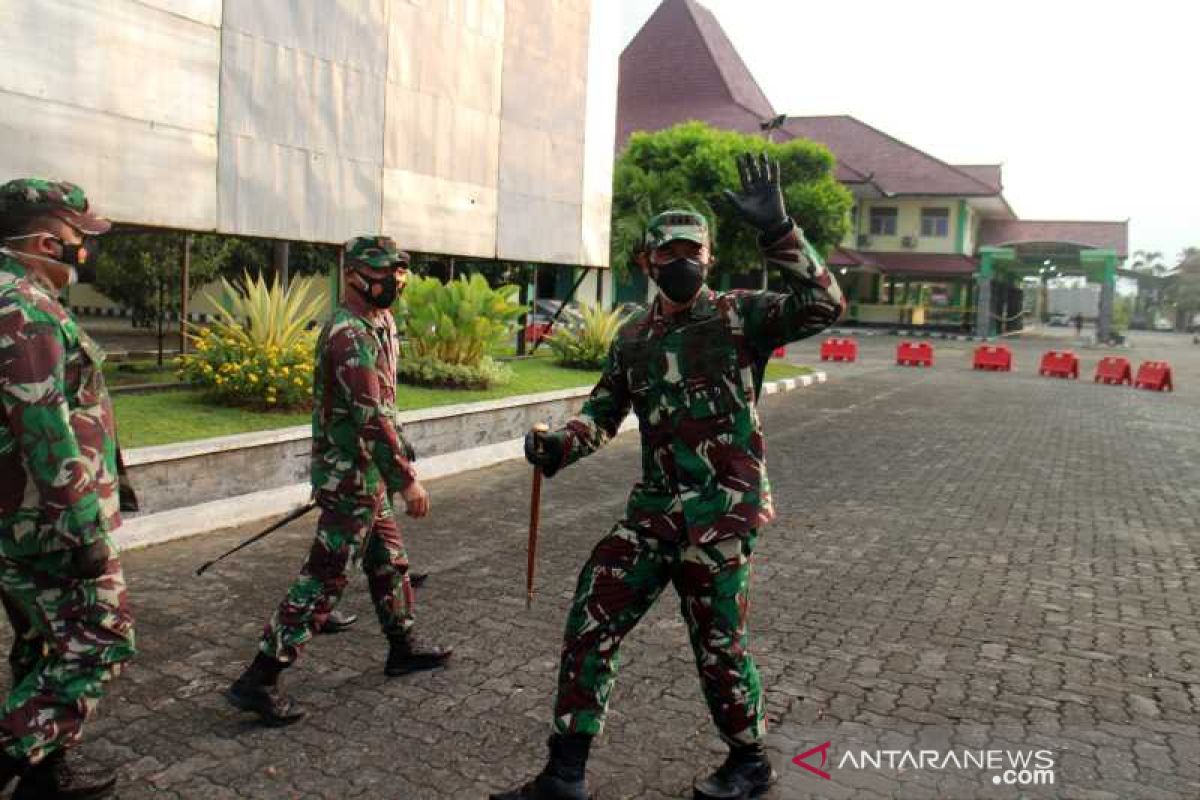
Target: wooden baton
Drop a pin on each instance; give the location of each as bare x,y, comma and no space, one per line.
535,513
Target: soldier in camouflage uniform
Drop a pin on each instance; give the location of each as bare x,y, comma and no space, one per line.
690,367
61,494
360,458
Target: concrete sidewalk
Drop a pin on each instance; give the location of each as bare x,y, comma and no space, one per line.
962,560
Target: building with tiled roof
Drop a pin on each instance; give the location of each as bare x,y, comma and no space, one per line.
681,66
930,243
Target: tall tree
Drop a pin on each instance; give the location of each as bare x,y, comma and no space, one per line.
1184,287
1150,262
690,164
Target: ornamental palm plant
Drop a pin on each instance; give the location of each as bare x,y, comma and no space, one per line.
263,316
585,343
457,322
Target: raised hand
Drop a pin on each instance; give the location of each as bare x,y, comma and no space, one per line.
760,202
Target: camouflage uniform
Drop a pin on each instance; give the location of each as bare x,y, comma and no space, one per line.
360,457
693,382
60,491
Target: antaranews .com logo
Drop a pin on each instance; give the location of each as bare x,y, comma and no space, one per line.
1006,767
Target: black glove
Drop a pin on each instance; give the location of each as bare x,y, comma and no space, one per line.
545,450
89,562
761,200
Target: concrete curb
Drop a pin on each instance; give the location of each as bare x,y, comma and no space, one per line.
181,523
910,334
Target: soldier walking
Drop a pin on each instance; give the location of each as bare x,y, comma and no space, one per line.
61,495
360,459
690,367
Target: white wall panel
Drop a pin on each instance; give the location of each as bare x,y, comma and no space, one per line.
465,127
132,171
542,130
604,46
292,97
292,193
430,214
207,12
302,116
442,139
536,229
116,56
346,32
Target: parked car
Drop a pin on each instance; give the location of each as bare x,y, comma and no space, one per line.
1163,325
1059,320
537,323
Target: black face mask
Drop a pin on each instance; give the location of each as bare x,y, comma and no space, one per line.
680,279
389,290
81,258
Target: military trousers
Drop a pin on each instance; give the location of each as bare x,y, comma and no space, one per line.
350,529
620,582
70,635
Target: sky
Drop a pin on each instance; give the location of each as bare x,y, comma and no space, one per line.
1092,107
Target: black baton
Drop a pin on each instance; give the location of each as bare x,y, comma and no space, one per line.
291,517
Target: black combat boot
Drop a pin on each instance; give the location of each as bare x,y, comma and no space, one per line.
407,653
746,773
64,776
338,621
258,690
564,776
10,768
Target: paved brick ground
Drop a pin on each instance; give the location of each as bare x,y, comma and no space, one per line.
963,560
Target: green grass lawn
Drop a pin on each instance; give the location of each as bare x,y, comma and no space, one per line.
180,415
130,373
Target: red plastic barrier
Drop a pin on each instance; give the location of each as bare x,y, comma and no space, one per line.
1155,376
839,350
779,352
1114,371
995,357
914,354
1059,364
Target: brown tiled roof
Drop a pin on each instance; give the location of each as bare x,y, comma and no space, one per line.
931,265
989,174
681,66
848,174
845,257
1101,235
895,167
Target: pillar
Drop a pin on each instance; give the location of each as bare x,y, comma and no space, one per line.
185,288
280,257
1102,267
989,257
335,281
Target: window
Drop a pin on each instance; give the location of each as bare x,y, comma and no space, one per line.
883,221
935,222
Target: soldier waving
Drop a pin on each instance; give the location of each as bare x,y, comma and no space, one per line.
690,368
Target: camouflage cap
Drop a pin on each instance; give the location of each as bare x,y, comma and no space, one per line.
375,251
25,197
676,224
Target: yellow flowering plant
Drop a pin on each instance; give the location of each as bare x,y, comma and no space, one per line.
259,352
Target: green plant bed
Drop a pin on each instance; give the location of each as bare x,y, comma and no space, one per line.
425,371
181,415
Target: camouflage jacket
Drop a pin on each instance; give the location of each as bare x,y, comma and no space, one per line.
358,447
691,380
59,485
